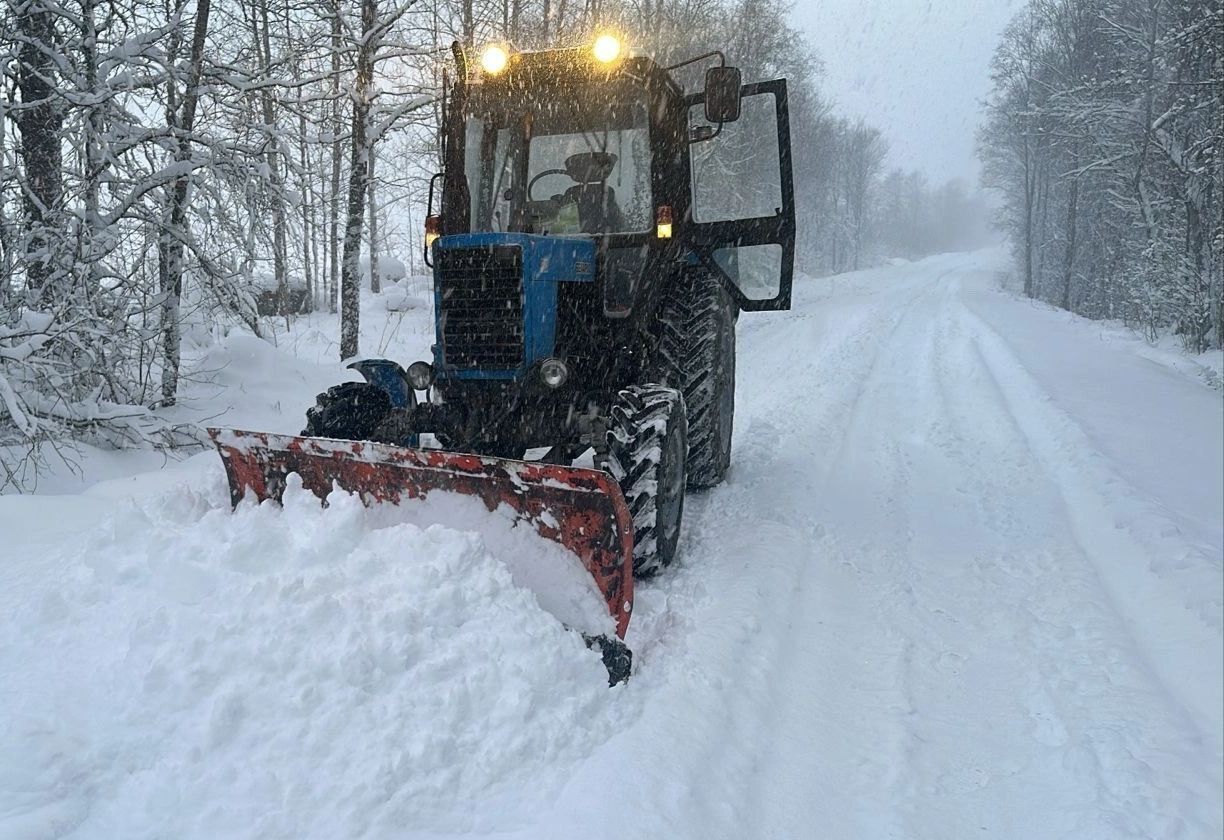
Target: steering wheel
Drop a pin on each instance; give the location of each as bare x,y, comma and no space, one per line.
532,182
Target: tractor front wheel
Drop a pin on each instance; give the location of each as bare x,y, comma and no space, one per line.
349,411
647,450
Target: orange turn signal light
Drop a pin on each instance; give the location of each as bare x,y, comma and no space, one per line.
663,221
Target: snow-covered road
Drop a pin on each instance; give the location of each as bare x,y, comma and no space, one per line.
964,580
970,617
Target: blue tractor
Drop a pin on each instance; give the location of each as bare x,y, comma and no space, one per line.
599,232
599,229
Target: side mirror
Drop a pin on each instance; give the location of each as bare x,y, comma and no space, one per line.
722,94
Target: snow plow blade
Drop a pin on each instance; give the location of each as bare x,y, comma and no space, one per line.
581,509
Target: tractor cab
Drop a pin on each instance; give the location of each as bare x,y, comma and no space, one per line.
554,143
568,165
576,183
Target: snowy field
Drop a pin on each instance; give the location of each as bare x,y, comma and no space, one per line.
964,580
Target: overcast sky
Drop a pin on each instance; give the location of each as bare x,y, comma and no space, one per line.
916,69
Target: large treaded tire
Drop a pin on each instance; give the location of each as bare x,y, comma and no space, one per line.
647,450
696,355
349,411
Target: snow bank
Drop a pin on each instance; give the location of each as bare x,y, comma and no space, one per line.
185,671
265,281
390,269
399,297
247,382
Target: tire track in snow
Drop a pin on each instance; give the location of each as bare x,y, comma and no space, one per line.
989,732
839,639
980,481
703,633
1059,445
1138,725
933,636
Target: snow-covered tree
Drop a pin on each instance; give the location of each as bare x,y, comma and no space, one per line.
1104,141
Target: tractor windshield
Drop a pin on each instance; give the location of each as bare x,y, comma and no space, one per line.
577,164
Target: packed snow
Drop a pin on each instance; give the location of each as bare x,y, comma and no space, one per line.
964,579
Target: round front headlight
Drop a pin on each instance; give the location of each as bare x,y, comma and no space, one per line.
420,375
553,373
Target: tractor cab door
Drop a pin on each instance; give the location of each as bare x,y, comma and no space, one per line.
741,225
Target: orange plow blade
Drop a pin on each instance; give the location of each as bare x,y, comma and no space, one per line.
581,509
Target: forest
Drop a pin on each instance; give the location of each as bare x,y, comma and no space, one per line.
1105,139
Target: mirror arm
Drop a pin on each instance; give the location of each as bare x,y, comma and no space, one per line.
442,121
722,60
429,211
717,131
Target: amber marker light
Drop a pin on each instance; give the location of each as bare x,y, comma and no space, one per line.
433,229
663,222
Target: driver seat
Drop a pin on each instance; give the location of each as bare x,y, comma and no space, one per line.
598,211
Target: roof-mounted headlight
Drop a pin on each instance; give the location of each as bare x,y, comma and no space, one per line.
494,59
606,49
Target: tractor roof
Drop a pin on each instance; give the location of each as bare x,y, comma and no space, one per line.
528,75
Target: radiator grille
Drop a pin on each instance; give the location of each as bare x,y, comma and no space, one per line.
481,293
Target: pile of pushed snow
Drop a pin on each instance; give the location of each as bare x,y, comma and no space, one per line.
295,672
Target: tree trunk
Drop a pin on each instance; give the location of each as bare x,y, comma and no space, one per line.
1030,188
469,24
174,236
41,125
375,279
273,157
337,153
1043,224
92,174
1068,266
350,273
1199,320
310,255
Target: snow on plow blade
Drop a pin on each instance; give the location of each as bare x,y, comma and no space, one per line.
581,509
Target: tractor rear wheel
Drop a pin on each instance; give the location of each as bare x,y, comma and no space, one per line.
647,449
349,411
697,356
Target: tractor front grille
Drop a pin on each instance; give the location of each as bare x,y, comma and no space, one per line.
481,312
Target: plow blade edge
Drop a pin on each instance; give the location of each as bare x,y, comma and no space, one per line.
581,509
